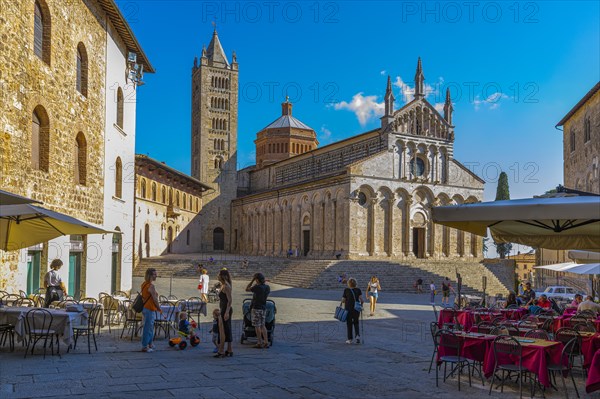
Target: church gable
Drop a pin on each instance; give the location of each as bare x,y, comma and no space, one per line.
420,118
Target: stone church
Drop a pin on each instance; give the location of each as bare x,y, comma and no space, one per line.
365,197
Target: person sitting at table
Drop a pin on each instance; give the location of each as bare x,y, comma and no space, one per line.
588,304
528,295
576,301
55,288
511,300
534,308
544,303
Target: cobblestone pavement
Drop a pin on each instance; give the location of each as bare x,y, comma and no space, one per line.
309,358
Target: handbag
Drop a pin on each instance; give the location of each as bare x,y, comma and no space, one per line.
200,286
357,305
340,313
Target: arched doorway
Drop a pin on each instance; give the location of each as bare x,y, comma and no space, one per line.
218,239
419,235
169,239
305,235
115,280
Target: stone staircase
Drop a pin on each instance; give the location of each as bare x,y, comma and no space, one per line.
324,274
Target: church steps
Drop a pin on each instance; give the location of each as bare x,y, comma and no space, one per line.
317,274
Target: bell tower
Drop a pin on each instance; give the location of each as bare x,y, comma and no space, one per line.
214,140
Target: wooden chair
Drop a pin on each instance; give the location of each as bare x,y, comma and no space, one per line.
505,346
38,326
448,340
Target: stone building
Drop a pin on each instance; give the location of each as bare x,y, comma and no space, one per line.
366,197
581,143
68,81
166,209
214,140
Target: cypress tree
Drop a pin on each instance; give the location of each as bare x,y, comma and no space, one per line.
503,193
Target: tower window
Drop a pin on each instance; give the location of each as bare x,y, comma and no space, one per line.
42,31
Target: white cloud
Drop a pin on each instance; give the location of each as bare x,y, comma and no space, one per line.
439,107
365,107
407,92
492,101
325,136
382,73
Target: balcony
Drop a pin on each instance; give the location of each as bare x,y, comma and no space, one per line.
173,211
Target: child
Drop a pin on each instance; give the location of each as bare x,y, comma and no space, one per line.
184,324
216,328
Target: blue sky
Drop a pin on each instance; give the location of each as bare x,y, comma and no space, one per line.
514,70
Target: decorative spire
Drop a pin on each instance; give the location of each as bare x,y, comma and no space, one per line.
203,51
419,81
215,52
286,107
448,108
389,98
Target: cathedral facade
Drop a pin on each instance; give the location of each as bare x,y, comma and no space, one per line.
365,197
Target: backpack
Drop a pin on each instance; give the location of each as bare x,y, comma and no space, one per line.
138,303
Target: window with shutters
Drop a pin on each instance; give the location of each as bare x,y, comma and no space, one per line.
82,69
40,139
80,168
41,31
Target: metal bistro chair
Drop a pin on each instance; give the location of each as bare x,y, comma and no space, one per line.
585,327
88,328
193,307
448,340
566,357
485,327
565,335
25,302
7,331
508,347
121,293
38,326
165,321
132,319
538,333
434,328
10,299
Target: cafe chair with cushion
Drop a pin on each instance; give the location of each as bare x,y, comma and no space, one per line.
497,320
132,319
25,302
448,342
38,326
538,333
434,328
566,365
112,311
88,328
507,351
565,335
587,314
10,299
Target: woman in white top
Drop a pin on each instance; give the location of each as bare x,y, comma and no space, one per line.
203,285
55,288
373,293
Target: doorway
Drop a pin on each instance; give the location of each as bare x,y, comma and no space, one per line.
33,271
419,242
218,239
305,242
74,273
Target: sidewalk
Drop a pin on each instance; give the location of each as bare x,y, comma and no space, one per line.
308,359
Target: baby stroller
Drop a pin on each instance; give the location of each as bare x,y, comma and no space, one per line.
213,293
248,329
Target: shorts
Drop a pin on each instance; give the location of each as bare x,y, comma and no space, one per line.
374,294
445,294
258,317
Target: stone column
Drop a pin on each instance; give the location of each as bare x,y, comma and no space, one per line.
334,202
312,228
434,167
391,206
371,222
273,212
322,227
406,229
290,211
281,233
300,229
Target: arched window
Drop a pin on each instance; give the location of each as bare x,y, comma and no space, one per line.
82,69
40,139
184,201
118,178
227,104
163,195
120,105
153,191
42,31
224,125
177,199
170,196
80,168
572,141
143,188
190,205
587,129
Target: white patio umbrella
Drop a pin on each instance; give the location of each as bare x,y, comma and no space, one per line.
569,222
24,225
559,267
585,268
7,198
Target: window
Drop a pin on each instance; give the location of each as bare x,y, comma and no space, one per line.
177,199
184,201
587,129
120,104
417,167
80,168
41,31
197,205
40,139
572,140
82,69
362,199
143,188
163,195
118,178
187,237
153,191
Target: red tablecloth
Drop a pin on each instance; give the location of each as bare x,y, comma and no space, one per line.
593,380
535,358
589,347
570,311
597,323
513,314
474,348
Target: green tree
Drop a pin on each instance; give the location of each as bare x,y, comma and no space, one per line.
503,193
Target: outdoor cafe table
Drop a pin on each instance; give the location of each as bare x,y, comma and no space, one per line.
195,305
62,321
536,357
565,321
593,380
590,345
513,314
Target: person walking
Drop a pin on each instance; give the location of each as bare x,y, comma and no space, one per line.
225,303
350,298
203,284
55,288
151,306
373,293
446,291
245,264
432,291
260,293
